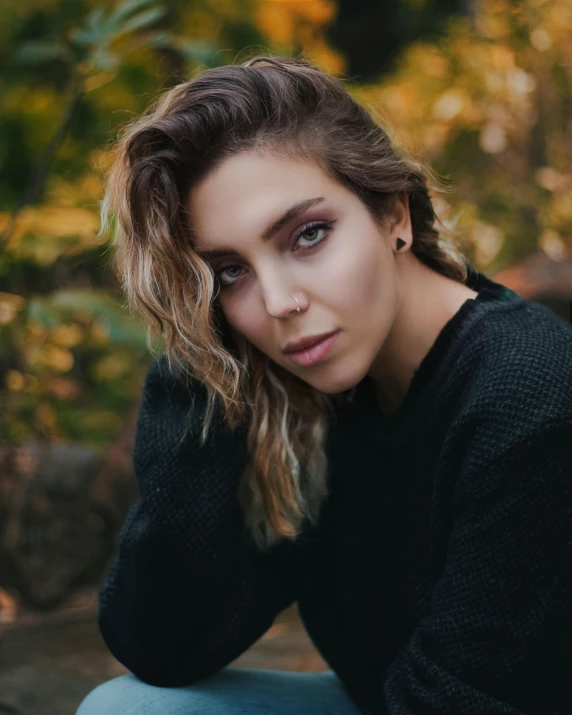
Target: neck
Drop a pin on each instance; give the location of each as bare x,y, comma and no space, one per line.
417,324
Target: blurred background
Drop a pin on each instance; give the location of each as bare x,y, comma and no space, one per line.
481,89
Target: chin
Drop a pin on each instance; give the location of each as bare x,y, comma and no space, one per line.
330,383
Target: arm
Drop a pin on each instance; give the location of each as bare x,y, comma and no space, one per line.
188,591
496,638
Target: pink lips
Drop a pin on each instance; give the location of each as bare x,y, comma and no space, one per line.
315,353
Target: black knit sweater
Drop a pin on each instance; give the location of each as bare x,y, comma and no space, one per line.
439,578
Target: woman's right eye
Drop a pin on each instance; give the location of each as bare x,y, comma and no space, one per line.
222,270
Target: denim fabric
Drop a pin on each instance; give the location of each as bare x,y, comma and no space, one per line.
236,691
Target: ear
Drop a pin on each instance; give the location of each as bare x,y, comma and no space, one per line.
399,224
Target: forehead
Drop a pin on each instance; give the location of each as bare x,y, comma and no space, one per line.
249,189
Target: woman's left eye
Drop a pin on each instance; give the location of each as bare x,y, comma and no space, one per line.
317,227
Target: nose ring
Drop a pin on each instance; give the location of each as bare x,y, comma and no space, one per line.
298,308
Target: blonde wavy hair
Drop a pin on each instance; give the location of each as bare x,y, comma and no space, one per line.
290,108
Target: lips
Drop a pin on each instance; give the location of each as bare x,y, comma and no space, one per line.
315,353
307,342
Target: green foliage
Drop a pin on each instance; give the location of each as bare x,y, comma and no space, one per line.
72,358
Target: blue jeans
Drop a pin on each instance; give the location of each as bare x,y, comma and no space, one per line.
236,691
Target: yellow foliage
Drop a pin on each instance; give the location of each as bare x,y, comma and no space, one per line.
63,388
493,24
102,420
492,138
488,241
300,24
45,416
36,332
111,367
99,332
492,93
434,137
552,244
15,380
276,24
501,57
10,306
46,232
449,104
66,194
56,358
32,384
553,180
96,81
52,222
317,12
561,207
67,335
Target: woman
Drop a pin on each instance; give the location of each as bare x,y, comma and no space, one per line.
406,479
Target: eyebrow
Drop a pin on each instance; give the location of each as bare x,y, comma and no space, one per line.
289,215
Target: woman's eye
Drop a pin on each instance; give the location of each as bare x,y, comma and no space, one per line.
317,228
320,230
222,270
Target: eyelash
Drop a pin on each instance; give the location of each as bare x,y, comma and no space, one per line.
326,225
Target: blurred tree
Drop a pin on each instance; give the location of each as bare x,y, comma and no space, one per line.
371,33
487,103
295,26
89,56
68,346
489,106
71,358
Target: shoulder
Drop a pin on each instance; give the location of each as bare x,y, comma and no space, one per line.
171,421
173,404
170,386
520,379
162,377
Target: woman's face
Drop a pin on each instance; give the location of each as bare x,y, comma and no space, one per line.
332,256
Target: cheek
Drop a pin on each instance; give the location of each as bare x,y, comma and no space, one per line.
248,324
353,276
350,283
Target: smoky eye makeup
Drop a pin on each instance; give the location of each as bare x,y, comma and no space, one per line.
311,226
325,226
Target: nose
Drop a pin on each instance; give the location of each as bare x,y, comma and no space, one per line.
278,295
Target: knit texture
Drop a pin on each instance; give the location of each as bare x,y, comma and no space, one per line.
438,580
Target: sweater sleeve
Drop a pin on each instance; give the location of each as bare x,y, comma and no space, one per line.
496,637
188,591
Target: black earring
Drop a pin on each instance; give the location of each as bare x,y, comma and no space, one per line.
400,243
